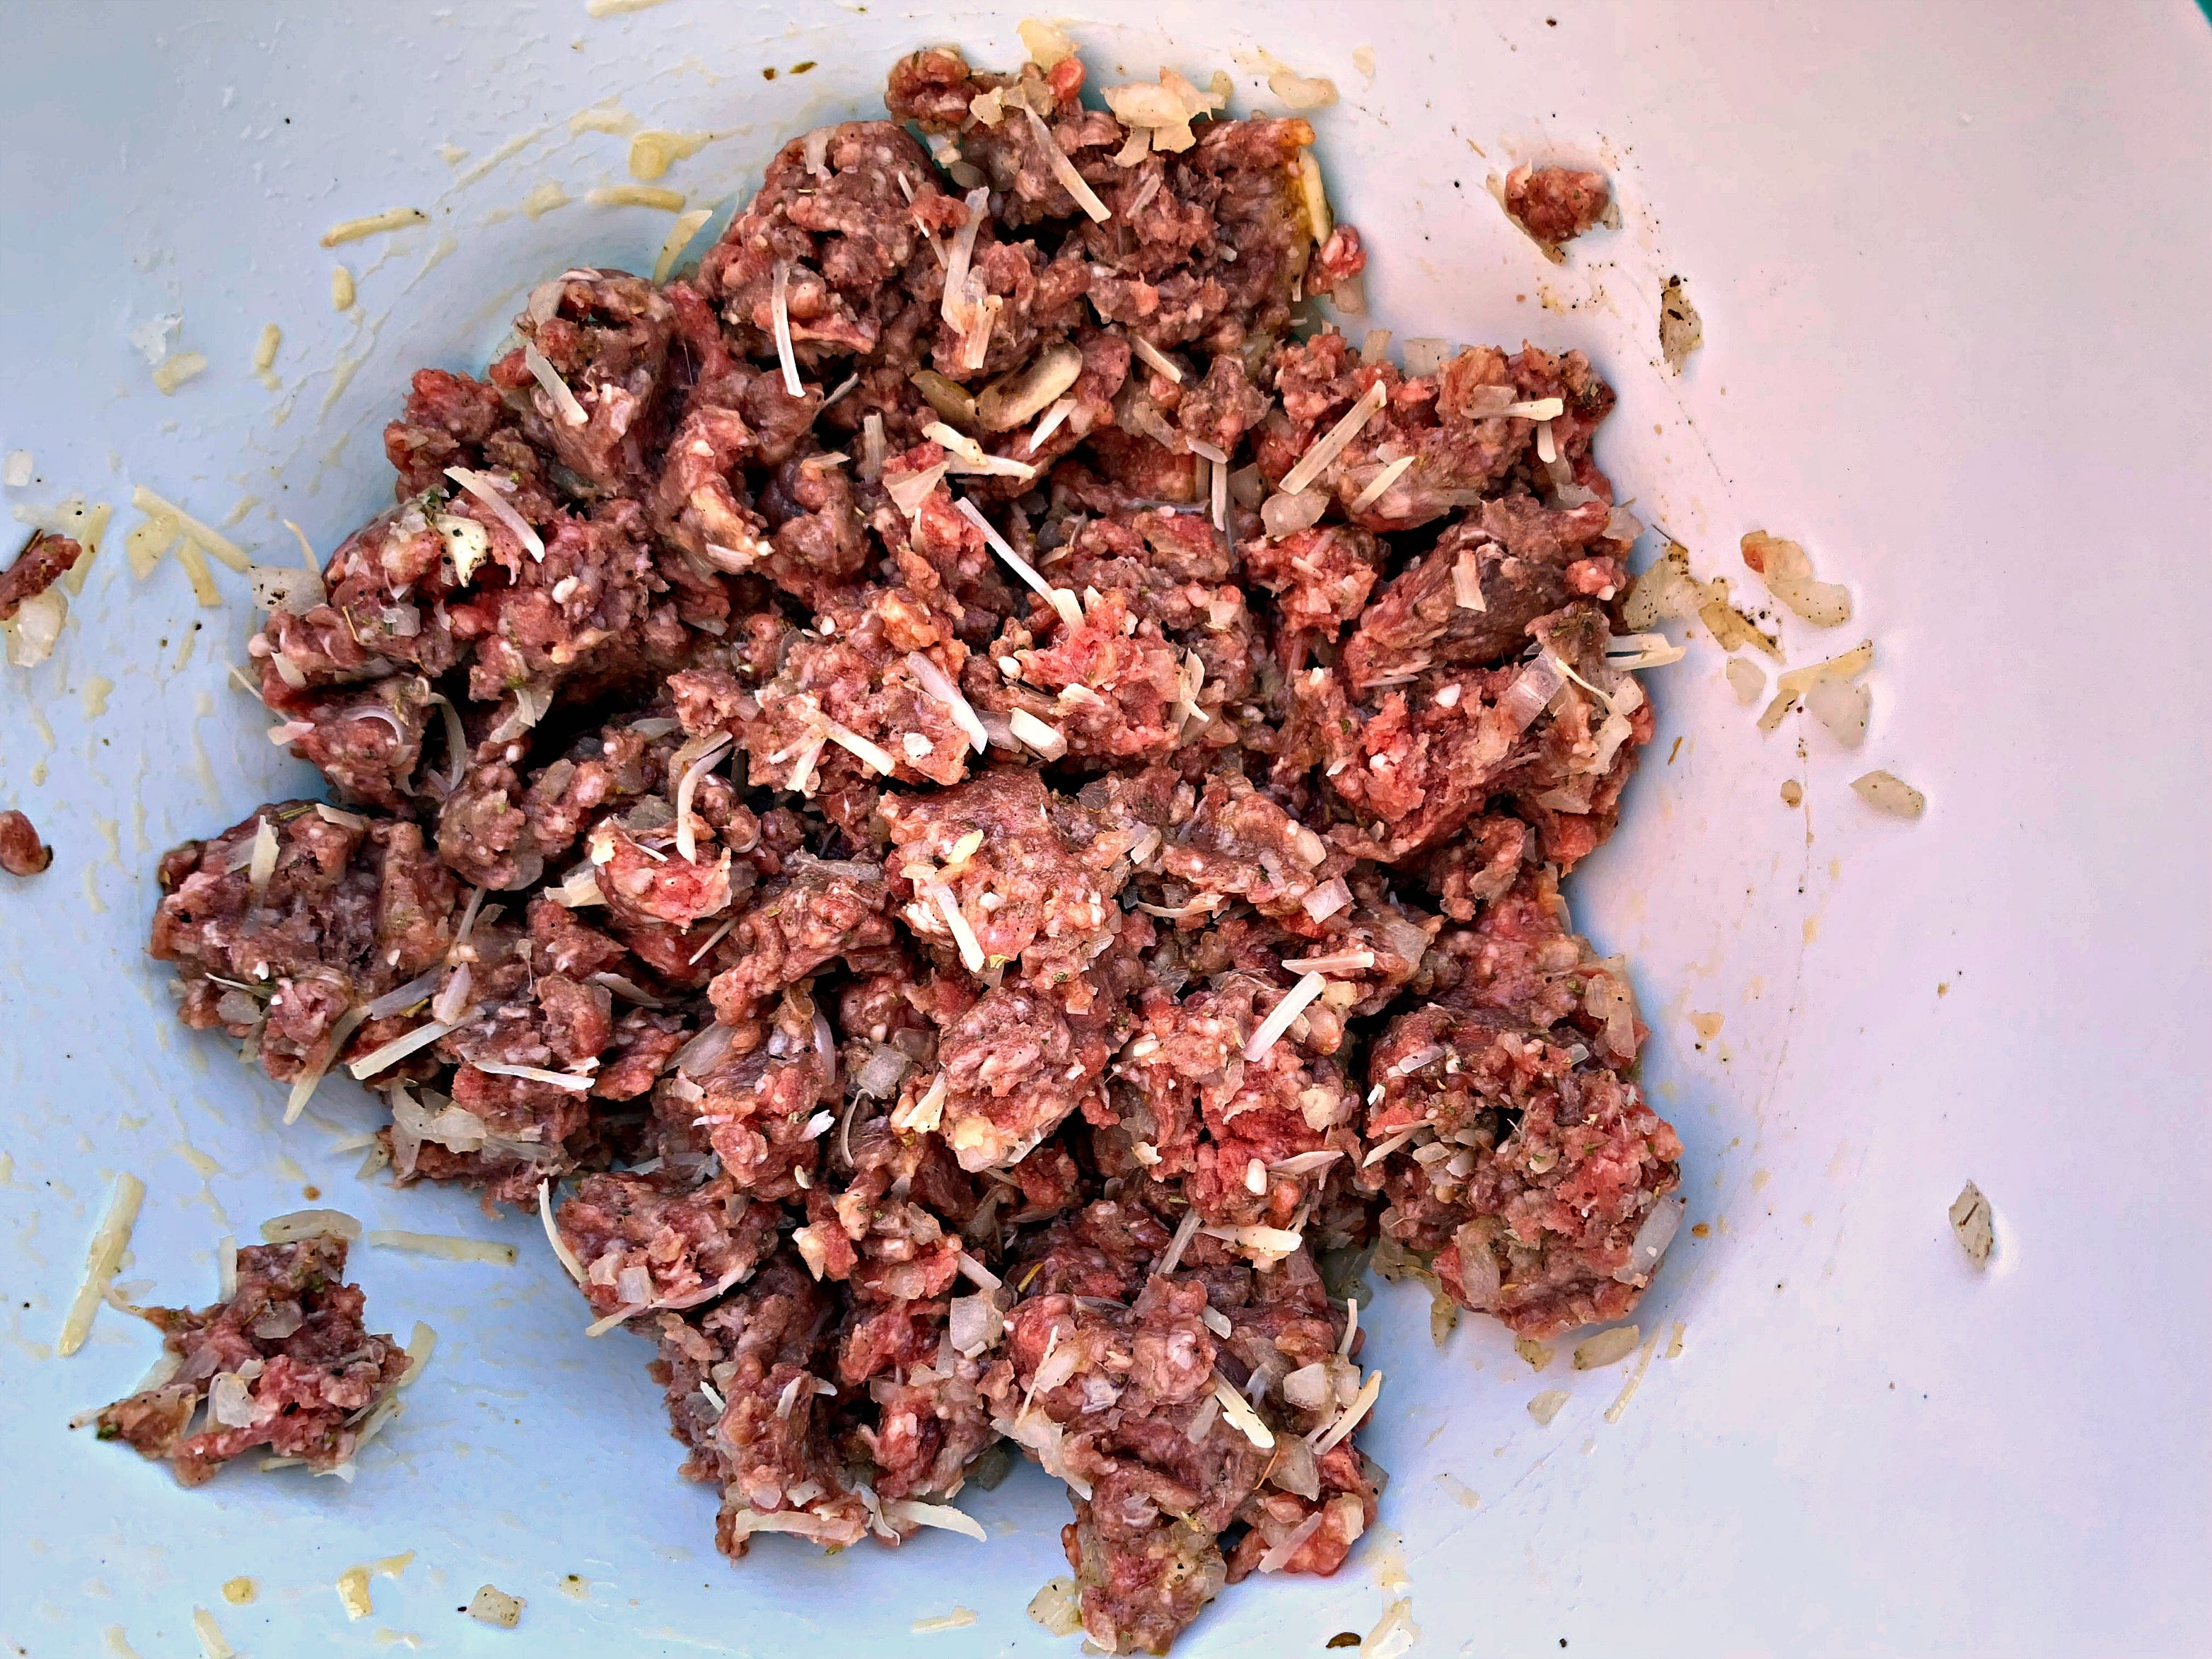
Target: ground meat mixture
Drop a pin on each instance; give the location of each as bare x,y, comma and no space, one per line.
955,796
22,852
45,560
284,1363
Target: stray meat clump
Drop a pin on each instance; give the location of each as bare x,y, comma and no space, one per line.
284,1362
1555,205
22,852
959,796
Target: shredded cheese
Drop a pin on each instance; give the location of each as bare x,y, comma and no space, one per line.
937,1515
1379,485
445,1245
644,195
421,1344
297,1224
971,948
1332,444
1293,1004
376,224
1242,1418
101,1261
1064,170
212,1645
400,1047
564,401
1070,610
217,545
179,367
1362,1403
1051,423
779,317
687,226
1158,362
565,1256
353,1583
1049,741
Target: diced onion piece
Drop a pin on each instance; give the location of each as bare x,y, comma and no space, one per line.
1362,1403
941,686
1048,46
1466,581
679,237
1395,1633
262,863
445,1245
1058,1606
1059,599
1886,793
1285,514
1680,330
1305,1164
874,447
1840,706
565,1256
400,1047
480,486
1293,1004
1332,443
280,587
1220,494
1379,485
1665,589
564,401
1064,170
1242,1418
1652,1240
1014,400
1748,678
297,1224
1794,683
101,1260
578,889
36,627
936,1514
1634,651
1606,1347
779,316
489,1606
1543,410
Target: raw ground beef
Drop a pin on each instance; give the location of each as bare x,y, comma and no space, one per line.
951,887
284,1363
22,852
45,560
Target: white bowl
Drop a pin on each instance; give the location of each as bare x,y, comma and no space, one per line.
1952,263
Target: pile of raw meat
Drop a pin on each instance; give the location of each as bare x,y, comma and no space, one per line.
965,794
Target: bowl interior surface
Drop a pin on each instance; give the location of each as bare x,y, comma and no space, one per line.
1951,267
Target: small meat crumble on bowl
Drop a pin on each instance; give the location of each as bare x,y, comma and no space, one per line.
981,793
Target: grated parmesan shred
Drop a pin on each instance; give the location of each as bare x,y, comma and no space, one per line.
1064,170
564,401
1070,609
1379,486
779,317
444,1245
101,1261
374,224
1333,443
1293,1004
565,1256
